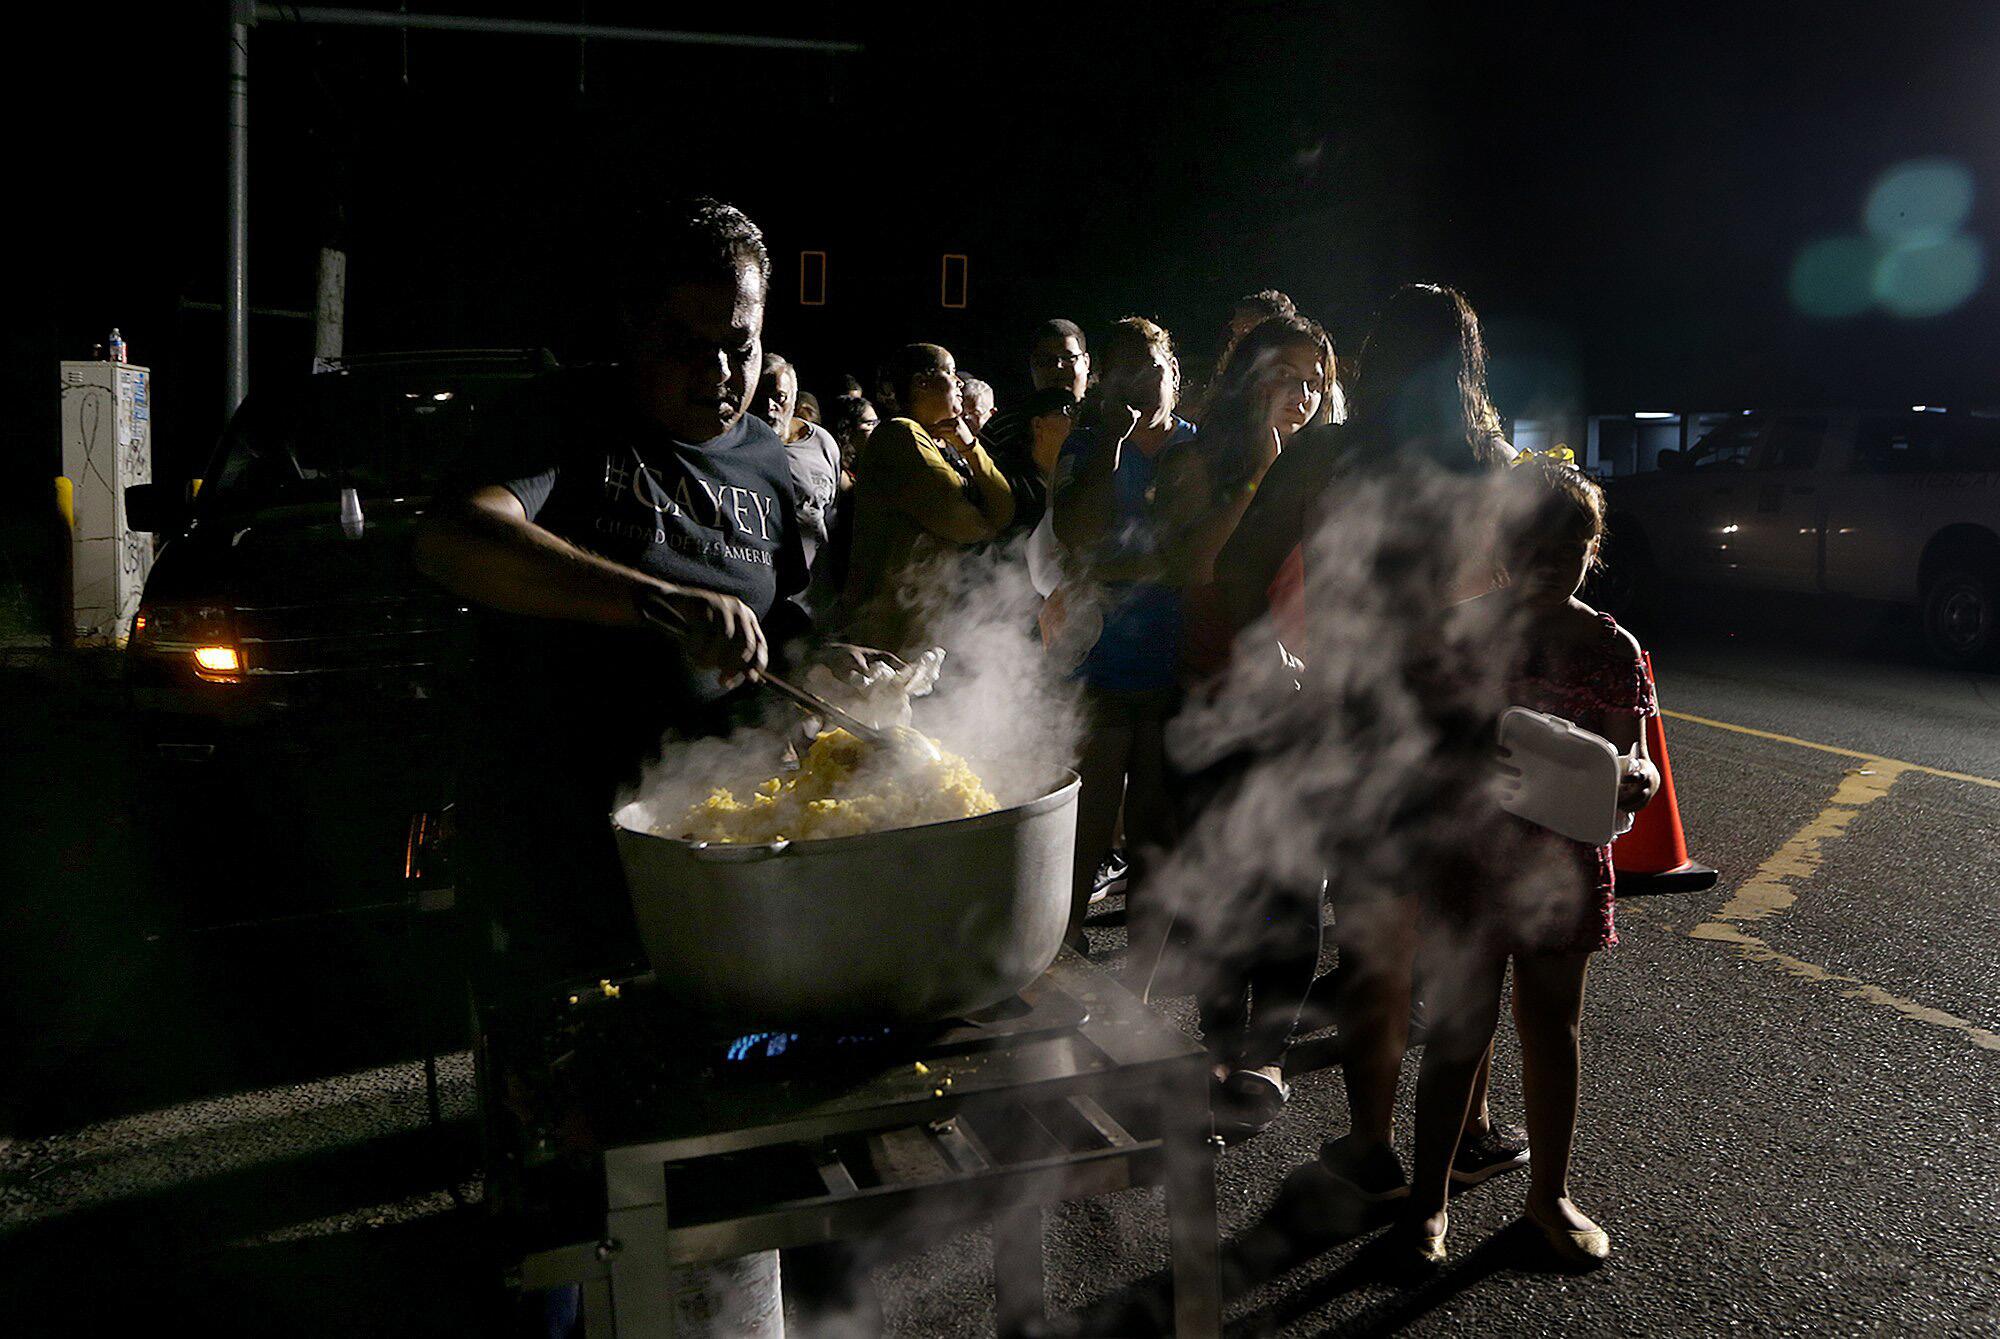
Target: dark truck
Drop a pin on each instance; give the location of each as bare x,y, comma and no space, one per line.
290,672
1899,506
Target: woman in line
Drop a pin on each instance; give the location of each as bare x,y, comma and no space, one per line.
1380,512
925,488
852,422
1278,381
1257,946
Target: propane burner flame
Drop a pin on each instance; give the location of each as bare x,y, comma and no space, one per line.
752,1046
773,1044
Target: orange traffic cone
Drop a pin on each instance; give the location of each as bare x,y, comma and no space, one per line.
1653,856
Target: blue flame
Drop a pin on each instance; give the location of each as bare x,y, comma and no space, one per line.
772,1044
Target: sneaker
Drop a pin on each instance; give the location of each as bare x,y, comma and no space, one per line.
1500,1149
1112,872
1371,1174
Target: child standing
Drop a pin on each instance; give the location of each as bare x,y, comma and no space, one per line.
1529,895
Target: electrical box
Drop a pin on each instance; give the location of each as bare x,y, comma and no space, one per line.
107,426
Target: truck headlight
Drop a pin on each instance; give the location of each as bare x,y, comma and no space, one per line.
218,659
204,634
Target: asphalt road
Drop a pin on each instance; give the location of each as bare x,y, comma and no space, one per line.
1792,1081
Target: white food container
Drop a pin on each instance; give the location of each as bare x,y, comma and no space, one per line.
1569,776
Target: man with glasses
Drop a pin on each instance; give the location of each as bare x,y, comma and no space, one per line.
1058,359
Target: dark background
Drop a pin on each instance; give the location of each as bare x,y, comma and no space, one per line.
1622,190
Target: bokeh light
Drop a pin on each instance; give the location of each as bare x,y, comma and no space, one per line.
1925,199
1914,260
1835,277
1929,278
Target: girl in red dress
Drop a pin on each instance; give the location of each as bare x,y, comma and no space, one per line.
1527,894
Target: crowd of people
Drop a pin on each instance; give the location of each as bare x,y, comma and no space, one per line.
1294,596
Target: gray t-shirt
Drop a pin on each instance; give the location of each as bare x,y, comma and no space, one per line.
815,460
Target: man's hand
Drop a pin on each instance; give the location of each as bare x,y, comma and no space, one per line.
719,632
1085,505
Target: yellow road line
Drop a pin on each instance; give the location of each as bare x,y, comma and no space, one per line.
1837,751
1769,891
1757,950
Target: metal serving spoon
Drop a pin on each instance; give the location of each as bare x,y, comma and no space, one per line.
901,739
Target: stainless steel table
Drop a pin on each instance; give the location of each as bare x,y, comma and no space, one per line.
1076,1089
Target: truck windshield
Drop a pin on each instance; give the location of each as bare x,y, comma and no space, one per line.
1729,447
386,437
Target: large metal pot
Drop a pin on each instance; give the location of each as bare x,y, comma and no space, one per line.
905,926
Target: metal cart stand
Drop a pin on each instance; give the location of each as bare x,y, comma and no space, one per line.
1075,1089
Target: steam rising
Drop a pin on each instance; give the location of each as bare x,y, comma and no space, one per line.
1372,762
1371,765
998,703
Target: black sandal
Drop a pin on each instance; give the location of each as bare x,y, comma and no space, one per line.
1253,1101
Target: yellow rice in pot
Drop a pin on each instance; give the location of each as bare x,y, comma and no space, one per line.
843,788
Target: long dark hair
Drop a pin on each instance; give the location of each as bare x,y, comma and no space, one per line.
1422,378
1231,418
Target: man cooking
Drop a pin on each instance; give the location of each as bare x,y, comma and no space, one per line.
632,539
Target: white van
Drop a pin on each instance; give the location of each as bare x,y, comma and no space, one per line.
1901,507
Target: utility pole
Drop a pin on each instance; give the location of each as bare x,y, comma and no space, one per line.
236,270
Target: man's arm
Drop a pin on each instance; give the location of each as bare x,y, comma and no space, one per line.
1029,491
485,549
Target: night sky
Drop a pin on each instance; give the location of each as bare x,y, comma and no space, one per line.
1624,195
